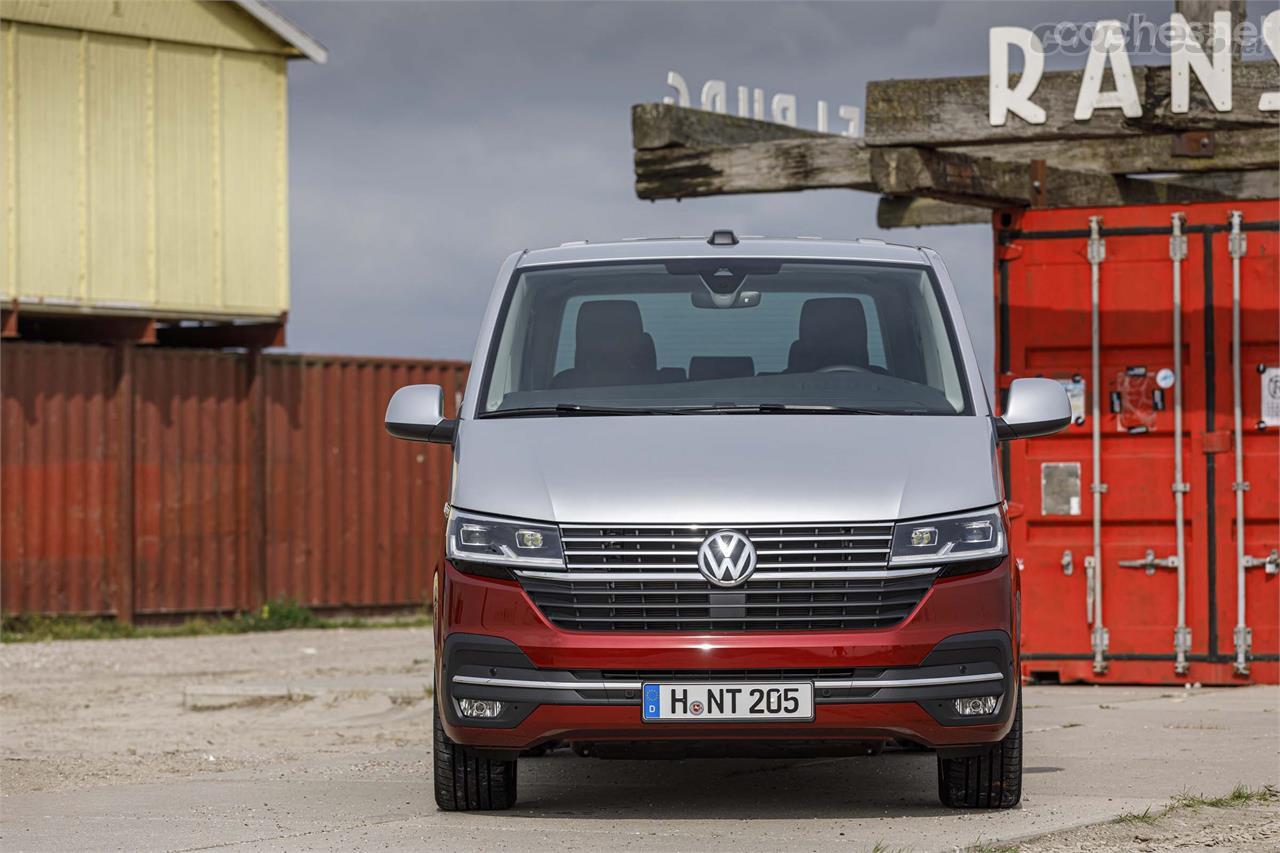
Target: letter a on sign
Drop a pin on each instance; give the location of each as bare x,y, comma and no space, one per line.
1108,45
1002,100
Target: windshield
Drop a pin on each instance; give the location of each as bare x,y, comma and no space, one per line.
688,336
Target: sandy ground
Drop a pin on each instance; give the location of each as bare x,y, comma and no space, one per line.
98,751
107,712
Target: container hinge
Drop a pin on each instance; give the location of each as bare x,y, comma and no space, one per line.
1178,247
1270,563
1100,488
1090,566
1181,647
1244,647
1067,565
1149,563
1181,487
1101,642
1097,250
1238,244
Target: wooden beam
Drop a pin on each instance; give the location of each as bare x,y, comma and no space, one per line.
665,125
953,110
1230,150
1230,185
783,165
678,128
959,178
907,212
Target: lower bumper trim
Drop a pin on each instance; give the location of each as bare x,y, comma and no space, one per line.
863,684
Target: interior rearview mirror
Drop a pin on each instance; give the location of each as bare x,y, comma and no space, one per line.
416,413
1035,407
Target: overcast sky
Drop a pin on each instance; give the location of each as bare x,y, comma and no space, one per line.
442,136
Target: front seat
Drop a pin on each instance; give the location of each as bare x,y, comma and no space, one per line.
612,347
833,331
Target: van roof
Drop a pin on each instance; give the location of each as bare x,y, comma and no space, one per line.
810,248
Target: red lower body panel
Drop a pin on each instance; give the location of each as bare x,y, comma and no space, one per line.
982,602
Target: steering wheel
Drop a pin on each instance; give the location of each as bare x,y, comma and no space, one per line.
842,368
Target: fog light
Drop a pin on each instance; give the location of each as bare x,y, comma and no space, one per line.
485,709
977,706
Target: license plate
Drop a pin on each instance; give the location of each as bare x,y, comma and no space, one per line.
711,702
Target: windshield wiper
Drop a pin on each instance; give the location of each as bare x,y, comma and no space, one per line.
571,409
785,409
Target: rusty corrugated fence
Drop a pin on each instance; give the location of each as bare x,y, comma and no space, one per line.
167,481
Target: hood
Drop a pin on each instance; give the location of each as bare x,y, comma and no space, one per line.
724,469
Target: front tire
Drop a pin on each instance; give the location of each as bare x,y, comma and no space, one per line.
992,780
467,783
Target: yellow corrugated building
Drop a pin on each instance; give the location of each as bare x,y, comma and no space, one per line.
145,166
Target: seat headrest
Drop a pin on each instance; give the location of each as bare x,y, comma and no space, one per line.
833,330
610,332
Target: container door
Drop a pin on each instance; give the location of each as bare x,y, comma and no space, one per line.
1083,618
1251,622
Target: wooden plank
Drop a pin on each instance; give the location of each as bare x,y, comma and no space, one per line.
1233,149
783,165
1231,185
953,110
669,128
907,212
956,177
665,125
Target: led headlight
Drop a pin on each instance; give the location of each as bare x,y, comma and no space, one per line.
949,539
505,542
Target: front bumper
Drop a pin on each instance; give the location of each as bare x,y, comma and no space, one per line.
558,685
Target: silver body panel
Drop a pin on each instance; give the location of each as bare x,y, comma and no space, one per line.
725,469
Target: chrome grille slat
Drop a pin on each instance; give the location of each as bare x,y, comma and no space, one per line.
645,577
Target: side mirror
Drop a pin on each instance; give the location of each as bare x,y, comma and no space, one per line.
1035,407
416,413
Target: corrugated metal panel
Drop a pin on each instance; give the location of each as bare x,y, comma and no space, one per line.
215,24
192,470
248,479
185,136
353,516
253,172
149,177
59,478
1047,321
117,95
46,119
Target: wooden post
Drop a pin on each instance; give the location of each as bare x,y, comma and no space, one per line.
258,468
125,442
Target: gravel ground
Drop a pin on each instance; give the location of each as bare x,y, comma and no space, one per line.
98,751
1253,828
106,712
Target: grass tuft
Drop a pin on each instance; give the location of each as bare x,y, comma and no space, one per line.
1145,817
981,847
277,615
1240,795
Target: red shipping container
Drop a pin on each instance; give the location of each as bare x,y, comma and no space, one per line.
162,482
1128,609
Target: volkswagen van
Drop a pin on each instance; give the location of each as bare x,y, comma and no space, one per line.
726,496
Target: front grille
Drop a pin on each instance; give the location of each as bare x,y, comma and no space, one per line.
646,578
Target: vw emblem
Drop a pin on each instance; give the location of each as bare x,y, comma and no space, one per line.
727,558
